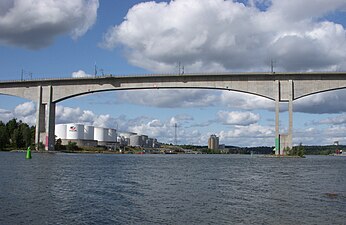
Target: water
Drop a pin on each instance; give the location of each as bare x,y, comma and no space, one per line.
171,189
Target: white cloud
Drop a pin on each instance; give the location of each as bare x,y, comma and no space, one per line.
25,109
80,74
297,10
183,98
327,102
245,101
35,23
252,135
76,115
6,115
320,136
177,98
218,35
337,120
238,118
26,112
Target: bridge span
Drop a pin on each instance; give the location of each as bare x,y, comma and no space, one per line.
279,87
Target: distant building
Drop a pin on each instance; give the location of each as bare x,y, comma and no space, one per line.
213,142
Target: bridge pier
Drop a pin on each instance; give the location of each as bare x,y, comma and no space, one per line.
290,114
277,119
45,120
40,113
284,94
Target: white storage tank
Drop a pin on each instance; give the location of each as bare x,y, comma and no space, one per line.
74,131
150,143
100,134
136,140
60,131
127,141
126,134
89,132
112,135
144,140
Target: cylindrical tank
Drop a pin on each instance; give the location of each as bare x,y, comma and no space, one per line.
100,134
112,135
60,131
127,141
126,134
74,131
136,140
144,140
150,143
89,132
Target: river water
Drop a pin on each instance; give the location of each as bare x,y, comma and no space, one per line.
171,189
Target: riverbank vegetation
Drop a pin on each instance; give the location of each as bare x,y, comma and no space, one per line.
16,135
296,151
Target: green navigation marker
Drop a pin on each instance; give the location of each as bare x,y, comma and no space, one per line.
28,153
277,146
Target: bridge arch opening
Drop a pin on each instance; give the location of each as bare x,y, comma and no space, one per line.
196,110
320,117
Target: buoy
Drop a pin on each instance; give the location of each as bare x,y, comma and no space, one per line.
28,153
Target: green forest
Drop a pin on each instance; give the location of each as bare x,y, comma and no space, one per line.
16,135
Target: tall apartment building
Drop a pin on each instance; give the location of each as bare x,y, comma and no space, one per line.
213,142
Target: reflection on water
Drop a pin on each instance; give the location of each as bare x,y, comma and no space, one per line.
171,189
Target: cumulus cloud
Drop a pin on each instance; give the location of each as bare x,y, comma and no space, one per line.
238,118
327,102
252,135
26,112
218,35
35,23
5,115
320,136
25,109
245,101
177,98
188,98
80,74
336,120
76,115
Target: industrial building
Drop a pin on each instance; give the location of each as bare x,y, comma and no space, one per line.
213,142
86,135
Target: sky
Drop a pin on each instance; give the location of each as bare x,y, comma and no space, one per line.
70,38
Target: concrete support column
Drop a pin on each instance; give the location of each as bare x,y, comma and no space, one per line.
40,118
277,112
50,122
290,114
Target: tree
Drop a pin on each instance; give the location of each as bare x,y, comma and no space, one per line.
3,136
71,146
11,126
25,131
58,145
300,150
16,134
297,151
17,139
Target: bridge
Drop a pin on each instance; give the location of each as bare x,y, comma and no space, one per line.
279,87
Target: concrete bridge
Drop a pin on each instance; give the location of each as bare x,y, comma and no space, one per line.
279,87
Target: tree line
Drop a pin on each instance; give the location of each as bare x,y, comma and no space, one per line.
16,135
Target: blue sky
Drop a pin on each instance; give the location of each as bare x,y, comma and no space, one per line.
67,38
